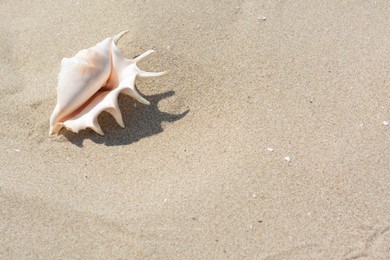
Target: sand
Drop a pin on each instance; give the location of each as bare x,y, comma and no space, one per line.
203,172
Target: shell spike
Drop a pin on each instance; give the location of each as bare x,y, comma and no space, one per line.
96,127
143,55
116,113
119,36
134,94
145,74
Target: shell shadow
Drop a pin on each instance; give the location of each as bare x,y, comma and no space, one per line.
140,122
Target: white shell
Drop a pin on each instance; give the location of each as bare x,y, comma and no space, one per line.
90,83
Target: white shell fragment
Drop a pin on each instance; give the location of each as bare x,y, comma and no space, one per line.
90,83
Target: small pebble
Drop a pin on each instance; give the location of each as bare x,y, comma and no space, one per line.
269,149
386,123
287,158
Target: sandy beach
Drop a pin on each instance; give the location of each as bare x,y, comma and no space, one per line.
268,139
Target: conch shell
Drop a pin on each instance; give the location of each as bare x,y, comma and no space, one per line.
90,83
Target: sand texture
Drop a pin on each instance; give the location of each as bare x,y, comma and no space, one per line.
202,172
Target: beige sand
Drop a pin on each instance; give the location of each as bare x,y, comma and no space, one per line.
310,80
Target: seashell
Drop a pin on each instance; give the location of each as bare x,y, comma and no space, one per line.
90,83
